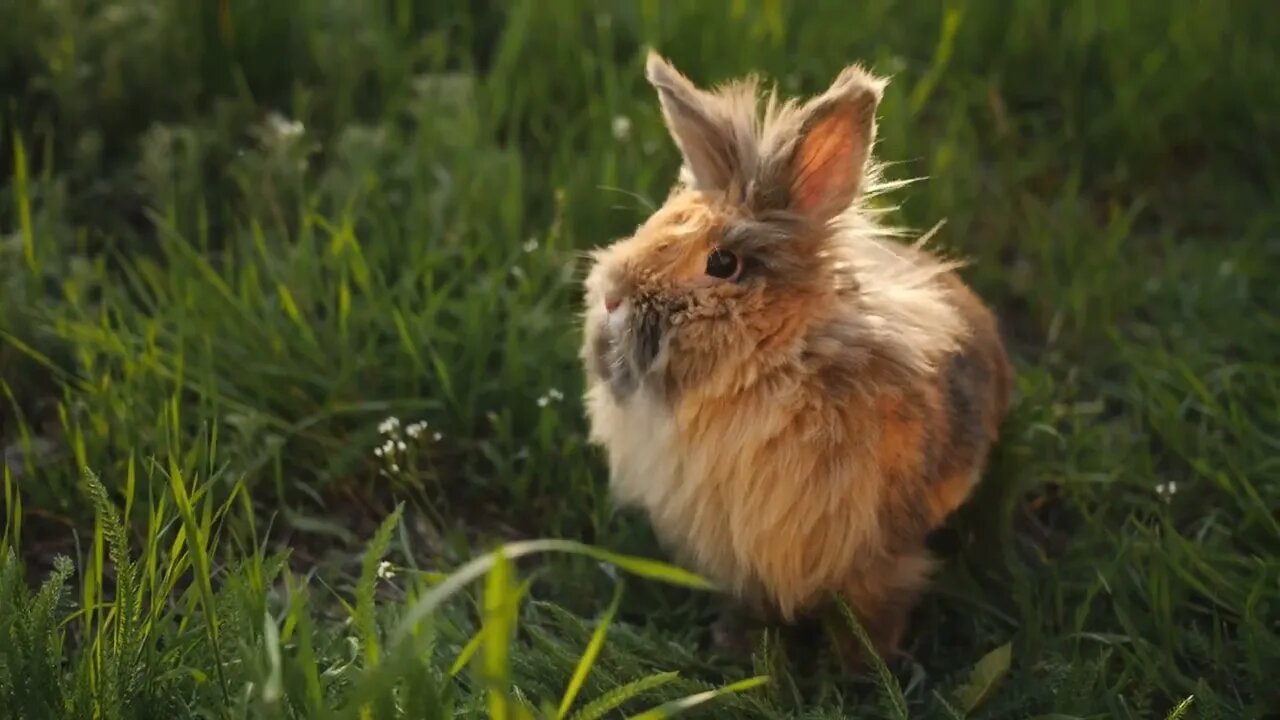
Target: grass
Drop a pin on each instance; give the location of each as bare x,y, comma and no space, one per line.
207,311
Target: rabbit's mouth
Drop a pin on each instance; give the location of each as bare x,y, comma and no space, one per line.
627,346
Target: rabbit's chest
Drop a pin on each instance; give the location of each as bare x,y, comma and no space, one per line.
640,439
751,495
653,468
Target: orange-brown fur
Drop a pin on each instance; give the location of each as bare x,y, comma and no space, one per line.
799,432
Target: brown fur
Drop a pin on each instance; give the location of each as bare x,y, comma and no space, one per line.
799,429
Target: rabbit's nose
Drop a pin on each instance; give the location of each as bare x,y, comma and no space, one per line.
611,302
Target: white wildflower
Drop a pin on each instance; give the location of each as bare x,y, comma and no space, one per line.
621,127
284,127
378,451
415,429
395,467
555,394
389,425
401,446
437,437
530,245
385,570
1166,490
542,401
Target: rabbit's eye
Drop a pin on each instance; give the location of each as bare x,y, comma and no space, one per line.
723,264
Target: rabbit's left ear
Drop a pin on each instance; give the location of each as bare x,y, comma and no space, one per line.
828,162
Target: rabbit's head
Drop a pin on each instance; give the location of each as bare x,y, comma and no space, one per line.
752,249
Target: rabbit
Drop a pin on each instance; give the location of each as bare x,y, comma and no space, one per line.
794,398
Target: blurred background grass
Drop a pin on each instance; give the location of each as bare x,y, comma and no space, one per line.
240,234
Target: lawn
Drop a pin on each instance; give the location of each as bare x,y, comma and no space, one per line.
289,300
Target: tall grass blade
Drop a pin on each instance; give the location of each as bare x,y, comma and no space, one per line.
22,202
198,546
889,688
473,645
499,621
1181,708
364,619
477,567
622,694
590,654
12,538
674,707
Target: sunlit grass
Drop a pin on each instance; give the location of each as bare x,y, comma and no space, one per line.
225,640
236,237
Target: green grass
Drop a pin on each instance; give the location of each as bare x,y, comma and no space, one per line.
206,312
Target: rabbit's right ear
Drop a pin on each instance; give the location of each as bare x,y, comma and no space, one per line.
833,145
701,125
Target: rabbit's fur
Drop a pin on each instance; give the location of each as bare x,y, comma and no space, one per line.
800,427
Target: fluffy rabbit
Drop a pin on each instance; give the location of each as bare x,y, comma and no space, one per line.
794,398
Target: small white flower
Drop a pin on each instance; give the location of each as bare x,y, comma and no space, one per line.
389,425
378,451
284,127
621,127
555,394
542,401
401,446
437,437
385,570
395,467
530,245
416,429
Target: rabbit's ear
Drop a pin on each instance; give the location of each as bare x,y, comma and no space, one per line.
699,123
829,158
